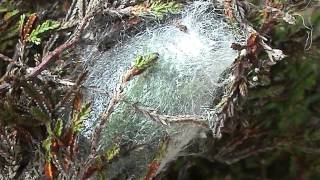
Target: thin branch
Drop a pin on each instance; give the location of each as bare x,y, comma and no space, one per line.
250,151
167,120
6,58
73,89
50,56
71,10
308,42
104,117
4,87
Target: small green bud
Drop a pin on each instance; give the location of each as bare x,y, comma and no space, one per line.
143,62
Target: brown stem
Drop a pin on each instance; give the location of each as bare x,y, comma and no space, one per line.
5,58
50,56
167,120
104,117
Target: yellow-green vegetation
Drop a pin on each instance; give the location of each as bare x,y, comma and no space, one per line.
143,62
48,25
79,117
159,8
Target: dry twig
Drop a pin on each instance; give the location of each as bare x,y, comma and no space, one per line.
167,120
50,56
5,58
104,117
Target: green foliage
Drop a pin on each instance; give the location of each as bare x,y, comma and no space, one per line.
21,21
143,62
46,144
79,117
7,114
9,28
10,14
159,9
287,108
8,37
13,113
40,29
101,175
299,79
162,150
266,92
39,115
5,5
112,152
58,128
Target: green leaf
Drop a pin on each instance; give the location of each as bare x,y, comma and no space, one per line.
80,117
143,62
39,115
46,144
21,20
112,152
10,14
40,29
159,9
58,128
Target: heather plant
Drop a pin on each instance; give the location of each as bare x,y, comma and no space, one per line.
168,96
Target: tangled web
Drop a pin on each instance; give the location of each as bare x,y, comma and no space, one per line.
194,50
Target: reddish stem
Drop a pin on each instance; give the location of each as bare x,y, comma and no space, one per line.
50,56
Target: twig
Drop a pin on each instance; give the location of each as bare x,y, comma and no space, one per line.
71,10
117,94
6,58
116,12
50,56
4,87
167,120
141,64
50,44
65,82
80,7
104,117
239,155
71,90
308,42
